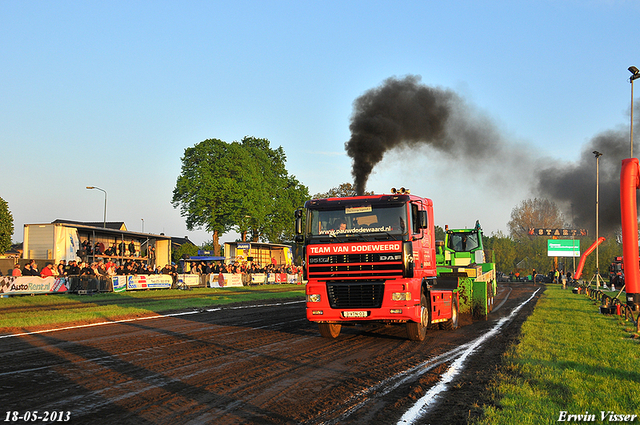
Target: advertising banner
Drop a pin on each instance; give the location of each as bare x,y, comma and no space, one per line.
119,283
355,248
225,279
25,285
155,281
188,279
258,278
66,243
563,248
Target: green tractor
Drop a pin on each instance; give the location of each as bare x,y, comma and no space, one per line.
461,256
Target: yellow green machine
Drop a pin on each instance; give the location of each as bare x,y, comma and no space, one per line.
461,257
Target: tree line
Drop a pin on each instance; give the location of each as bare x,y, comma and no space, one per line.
521,252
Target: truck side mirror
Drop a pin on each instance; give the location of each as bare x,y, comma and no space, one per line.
298,224
422,219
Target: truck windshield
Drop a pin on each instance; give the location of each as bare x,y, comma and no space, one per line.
352,220
463,241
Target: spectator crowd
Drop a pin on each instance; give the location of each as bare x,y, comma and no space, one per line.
205,267
107,267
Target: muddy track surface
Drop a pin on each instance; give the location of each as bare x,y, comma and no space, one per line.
261,364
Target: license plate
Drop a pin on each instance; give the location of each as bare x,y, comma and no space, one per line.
354,314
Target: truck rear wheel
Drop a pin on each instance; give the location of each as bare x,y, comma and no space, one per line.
418,331
453,322
329,330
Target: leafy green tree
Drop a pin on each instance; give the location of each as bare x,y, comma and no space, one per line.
291,194
215,180
269,215
6,226
187,249
342,191
241,185
503,249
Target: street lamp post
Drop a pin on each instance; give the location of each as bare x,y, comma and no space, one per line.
104,217
635,73
597,275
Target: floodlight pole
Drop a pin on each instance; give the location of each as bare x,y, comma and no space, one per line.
573,255
104,217
597,276
635,74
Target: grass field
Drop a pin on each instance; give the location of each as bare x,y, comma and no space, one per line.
571,360
51,310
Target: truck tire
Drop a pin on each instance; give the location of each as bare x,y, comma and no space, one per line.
329,330
490,296
452,323
418,331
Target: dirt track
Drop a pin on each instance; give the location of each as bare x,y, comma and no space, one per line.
249,364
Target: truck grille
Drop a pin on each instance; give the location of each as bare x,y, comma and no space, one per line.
353,267
355,295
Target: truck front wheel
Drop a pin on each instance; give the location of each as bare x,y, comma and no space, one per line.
418,331
329,330
453,322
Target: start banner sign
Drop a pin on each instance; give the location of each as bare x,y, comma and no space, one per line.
563,248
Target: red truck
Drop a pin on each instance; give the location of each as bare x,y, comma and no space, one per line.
373,259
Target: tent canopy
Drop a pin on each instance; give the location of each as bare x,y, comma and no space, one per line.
204,258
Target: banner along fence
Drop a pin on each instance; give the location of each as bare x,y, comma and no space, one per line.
27,285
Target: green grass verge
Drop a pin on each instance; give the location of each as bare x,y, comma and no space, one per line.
571,359
35,311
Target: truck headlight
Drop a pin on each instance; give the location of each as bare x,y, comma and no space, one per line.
401,296
313,298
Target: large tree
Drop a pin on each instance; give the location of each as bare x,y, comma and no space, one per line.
241,186
6,226
534,213
268,215
212,185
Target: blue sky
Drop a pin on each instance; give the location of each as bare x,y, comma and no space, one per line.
109,94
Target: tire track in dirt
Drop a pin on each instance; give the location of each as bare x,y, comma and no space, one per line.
229,365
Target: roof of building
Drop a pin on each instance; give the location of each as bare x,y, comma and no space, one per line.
114,225
112,228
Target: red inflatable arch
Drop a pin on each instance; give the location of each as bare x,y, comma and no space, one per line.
629,184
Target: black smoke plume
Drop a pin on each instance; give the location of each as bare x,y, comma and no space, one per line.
572,185
403,113
400,112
